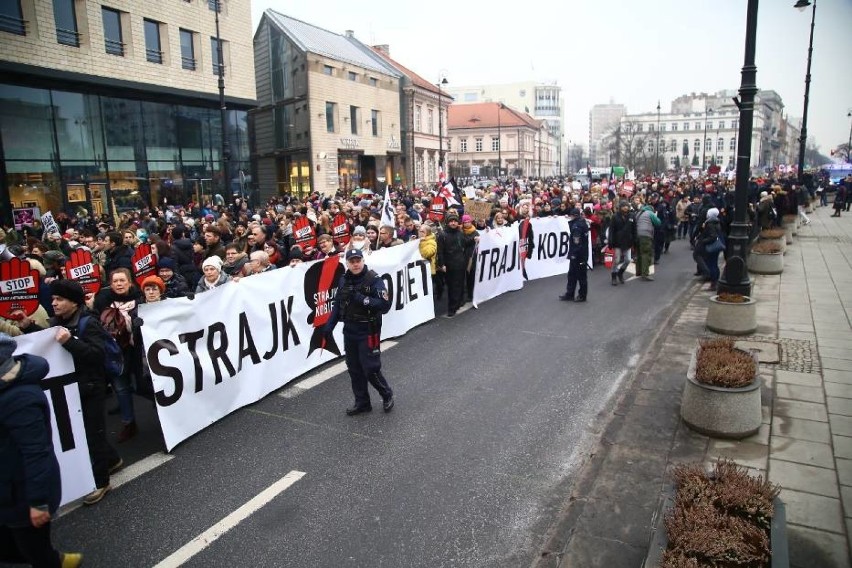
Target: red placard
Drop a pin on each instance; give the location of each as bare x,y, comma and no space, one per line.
18,287
144,263
304,233
437,209
340,230
81,268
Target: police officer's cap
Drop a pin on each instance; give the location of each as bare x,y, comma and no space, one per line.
574,212
354,253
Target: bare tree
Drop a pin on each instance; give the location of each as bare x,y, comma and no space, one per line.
628,144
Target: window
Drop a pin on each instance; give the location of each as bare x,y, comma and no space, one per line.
112,31
650,128
327,70
353,119
417,112
639,127
353,76
720,145
463,145
685,147
65,17
721,125
733,144
330,113
495,143
697,126
674,126
710,125
214,49
374,82
215,5
708,145
430,120
673,147
477,144
650,145
153,53
374,121
697,145
735,124
11,17
673,161
663,127
187,50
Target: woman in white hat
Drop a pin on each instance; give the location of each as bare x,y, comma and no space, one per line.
214,276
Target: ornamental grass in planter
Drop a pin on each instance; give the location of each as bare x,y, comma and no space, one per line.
766,258
723,518
721,397
778,236
732,314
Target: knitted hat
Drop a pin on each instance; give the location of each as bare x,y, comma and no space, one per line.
155,281
7,347
68,289
466,219
166,262
359,230
214,261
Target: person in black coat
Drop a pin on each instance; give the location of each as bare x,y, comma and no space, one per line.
118,255
454,250
86,345
578,255
184,258
30,483
708,262
622,237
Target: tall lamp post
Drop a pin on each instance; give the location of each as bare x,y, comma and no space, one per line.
735,277
707,110
849,143
499,145
220,68
803,138
442,82
657,153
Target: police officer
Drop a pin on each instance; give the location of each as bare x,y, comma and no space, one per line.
360,300
578,254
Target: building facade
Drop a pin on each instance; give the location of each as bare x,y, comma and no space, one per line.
493,140
603,119
328,115
110,107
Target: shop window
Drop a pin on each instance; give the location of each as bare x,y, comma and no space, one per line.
26,124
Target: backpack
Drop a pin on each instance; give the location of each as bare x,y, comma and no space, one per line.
115,324
113,356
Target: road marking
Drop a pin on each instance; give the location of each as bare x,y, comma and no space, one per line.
461,310
126,475
207,538
324,375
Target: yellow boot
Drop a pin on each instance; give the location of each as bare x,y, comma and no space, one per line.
71,559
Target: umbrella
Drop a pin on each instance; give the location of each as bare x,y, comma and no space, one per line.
362,191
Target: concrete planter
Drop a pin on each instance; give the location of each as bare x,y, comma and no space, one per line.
766,263
780,241
788,234
732,319
809,208
718,411
659,541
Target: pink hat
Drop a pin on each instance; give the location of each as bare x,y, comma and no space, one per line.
467,219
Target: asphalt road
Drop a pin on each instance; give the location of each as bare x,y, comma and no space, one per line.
497,409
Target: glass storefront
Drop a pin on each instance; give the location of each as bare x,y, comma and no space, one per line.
73,152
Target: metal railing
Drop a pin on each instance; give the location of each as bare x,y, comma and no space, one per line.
154,55
188,63
216,69
68,37
114,47
13,25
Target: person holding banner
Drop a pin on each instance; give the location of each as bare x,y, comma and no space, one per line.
360,300
578,254
29,470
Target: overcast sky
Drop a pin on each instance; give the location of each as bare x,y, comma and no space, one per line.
626,51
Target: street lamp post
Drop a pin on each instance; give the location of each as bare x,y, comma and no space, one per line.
443,81
801,5
499,145
657,147
735,277
707,110
849,143
226,151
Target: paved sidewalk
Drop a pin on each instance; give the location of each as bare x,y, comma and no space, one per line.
805,443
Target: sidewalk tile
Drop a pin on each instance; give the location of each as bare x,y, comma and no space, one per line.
799,429
800,409
801,451
795,324
811,548
835,352
814,511
841,425
584,551
794,378
749,454
838,390
837,364
840,406
833,343
846,499
842,449
799,392
805,478
832,376
609,518
800,335
844,472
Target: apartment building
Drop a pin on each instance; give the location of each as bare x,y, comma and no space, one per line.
113,105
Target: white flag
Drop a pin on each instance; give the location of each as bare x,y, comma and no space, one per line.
388,217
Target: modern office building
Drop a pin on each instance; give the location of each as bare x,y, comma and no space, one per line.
602,121
112,106
329,111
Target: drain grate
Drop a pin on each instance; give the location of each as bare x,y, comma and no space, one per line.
797,355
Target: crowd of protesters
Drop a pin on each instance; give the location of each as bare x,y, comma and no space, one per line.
200,246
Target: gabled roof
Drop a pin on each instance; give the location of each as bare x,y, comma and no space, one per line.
341,48
415,79
484,115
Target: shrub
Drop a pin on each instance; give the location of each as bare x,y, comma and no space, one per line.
731,298
720,364
772,233
766,247
719,519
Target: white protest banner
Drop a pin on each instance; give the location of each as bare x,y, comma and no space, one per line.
233,345
49,223
63,395
549,255
469,192
497,264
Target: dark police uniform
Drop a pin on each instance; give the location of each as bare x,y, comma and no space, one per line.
360,301
578,254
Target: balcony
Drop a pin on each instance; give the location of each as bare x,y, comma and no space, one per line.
188,63
154,55
68,37
114,47
13,25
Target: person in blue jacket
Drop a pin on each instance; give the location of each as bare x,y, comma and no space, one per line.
30,483
360,300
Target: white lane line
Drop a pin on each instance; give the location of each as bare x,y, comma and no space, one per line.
126,475
207,538
324,375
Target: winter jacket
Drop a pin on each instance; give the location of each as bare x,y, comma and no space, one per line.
646,220
29,471
119,257
454,248
429,251
203,285
184,261
176,287
622,231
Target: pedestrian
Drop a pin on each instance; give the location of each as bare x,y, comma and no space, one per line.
578,256
86,344
359,301
622,237
839,200
646,223
29,469
454,250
